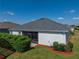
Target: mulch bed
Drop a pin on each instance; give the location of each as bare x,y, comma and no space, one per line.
57,52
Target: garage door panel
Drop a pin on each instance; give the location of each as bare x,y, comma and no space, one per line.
49,38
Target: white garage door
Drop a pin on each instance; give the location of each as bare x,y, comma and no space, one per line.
49,38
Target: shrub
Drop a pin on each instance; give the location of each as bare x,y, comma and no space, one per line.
55,45
22,44
69,46
17,42
72,33
61,47
5,44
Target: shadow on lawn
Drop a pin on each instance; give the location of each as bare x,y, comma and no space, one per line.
6,49
3,56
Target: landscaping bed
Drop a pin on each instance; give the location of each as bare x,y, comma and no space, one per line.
66,53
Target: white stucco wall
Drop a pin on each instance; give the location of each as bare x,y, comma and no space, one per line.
49,38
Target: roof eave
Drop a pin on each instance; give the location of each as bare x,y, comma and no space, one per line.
39,30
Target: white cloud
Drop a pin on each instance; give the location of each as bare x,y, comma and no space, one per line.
75,18
72,11
5,20
8,13
60,18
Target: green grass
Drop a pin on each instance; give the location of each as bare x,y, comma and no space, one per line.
43,53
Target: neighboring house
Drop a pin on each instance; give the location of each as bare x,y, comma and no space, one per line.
43,31
5,26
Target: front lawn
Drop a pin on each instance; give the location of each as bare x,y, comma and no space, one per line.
41,52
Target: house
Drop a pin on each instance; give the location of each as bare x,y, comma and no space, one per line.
5,26
43,31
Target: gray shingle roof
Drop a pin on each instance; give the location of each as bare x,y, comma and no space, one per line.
43,24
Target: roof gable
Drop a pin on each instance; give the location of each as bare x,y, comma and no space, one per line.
43,24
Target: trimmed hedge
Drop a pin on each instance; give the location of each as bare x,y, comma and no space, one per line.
15,42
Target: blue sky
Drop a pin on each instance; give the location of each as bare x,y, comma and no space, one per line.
22,11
